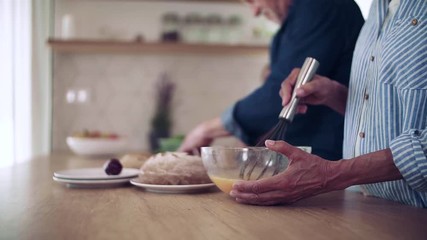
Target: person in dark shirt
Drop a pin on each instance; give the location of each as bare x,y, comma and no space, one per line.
323,29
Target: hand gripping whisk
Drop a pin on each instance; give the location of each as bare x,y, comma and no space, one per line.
286,116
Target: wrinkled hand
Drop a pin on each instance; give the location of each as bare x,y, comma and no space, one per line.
306,176
316,92
196,139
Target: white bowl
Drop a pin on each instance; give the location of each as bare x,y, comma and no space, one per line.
97,146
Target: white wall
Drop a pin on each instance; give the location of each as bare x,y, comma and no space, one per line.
122,91
41,77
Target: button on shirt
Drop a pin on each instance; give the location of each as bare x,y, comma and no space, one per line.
392,8
395,113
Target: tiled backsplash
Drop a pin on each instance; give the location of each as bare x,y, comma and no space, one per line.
121,91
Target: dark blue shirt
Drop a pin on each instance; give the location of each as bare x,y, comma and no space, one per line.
326,30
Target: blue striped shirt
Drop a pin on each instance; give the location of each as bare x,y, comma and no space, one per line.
388,88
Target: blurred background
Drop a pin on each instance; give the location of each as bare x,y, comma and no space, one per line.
67,66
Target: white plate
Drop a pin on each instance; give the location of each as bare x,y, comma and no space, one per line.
92,183
94,174
172,188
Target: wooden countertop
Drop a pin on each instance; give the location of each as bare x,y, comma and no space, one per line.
33,206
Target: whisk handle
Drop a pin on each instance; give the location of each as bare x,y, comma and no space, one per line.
307,72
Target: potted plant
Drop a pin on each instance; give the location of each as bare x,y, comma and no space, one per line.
161,123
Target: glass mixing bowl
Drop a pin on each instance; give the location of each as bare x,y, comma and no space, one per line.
225,165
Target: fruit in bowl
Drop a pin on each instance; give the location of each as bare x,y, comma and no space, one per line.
94,134
96,144
225,165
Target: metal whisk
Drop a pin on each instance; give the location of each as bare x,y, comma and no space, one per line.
286,116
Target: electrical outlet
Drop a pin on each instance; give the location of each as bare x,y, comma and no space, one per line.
70,96
79,96
83,96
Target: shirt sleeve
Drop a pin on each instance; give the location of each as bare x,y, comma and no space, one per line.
231,125
410,156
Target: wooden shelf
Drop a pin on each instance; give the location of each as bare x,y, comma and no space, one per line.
98,46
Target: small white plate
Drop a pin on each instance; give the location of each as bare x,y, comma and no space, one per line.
193,188
94,174
92,183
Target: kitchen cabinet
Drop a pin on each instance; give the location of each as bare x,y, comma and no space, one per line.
107,46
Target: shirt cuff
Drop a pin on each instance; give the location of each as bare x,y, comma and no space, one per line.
410,158
230,124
